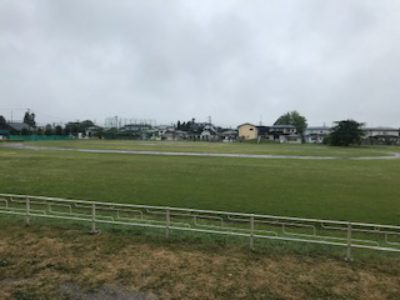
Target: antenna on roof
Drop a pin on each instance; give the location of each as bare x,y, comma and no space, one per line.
260,120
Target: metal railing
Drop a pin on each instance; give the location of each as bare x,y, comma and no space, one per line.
252,226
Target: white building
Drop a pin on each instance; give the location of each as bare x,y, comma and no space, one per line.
316,134
381,131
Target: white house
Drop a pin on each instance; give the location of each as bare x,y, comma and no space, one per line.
381,131
316,135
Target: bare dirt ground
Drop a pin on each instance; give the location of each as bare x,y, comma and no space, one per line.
41,262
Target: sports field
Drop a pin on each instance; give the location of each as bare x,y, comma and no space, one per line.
340,189
140,263
250,147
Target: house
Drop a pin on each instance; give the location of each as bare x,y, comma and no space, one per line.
381,131
279,133
92,131
229,135
316,135
171,134
382,136
248,131
283,134
135,128
209,133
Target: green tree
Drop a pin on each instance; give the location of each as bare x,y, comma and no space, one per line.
295,119
85,125
3,121
58,130
48,129
99,133
72,128
29,119
346,133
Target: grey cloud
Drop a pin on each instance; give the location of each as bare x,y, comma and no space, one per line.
170,60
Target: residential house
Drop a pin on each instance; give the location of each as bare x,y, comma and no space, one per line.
382,135
209,133
316,134
229,135
278,133
92,131
283,134
248,131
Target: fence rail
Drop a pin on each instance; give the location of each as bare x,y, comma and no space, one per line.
253,226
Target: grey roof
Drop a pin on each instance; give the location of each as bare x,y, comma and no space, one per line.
18,126
229,132
318,128
282,126
382,129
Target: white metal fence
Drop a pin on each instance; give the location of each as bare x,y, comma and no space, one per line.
325,232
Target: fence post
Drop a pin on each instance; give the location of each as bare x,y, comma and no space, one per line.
252,232
167,223
348,250
28,211
93,218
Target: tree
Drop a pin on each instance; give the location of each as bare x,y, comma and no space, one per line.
3,121
48,129
295,119
72,128
99,133
84,125
29,119
39,131
346,133
58,130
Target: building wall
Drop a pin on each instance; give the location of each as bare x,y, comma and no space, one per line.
248,132
381,132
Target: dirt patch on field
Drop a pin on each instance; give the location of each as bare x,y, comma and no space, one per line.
46,263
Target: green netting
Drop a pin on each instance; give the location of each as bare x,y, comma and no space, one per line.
35,137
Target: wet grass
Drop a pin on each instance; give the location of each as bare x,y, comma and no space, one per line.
54,260
364,191
249,147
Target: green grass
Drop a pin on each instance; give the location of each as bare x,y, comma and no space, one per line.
341,189
138,261
242,148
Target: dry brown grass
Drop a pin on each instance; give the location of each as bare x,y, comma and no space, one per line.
49,262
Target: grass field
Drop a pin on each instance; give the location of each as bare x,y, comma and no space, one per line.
60,260
339,189
241,148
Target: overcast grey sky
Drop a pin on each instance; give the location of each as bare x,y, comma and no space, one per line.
233,60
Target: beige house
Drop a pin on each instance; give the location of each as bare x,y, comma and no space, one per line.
248,131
